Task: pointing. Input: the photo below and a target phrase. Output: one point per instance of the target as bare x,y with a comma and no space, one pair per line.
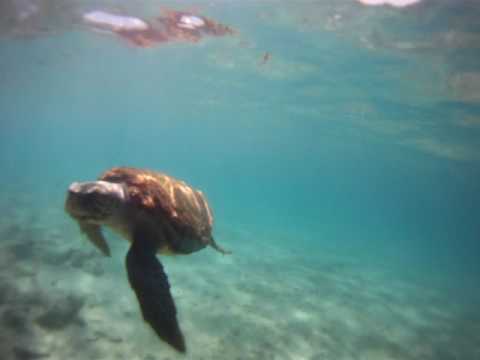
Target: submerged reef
62,313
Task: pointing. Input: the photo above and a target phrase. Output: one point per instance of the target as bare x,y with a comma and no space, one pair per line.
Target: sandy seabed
61,299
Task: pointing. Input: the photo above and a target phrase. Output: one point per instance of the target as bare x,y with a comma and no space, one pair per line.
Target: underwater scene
260,179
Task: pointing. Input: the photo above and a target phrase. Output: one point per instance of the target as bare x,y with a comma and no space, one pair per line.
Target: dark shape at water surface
157,214
61,314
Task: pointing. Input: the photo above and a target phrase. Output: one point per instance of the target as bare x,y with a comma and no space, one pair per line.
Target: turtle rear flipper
94,234
150,283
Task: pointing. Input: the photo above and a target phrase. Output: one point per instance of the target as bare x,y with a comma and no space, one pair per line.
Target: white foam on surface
191,22
395,3
114,22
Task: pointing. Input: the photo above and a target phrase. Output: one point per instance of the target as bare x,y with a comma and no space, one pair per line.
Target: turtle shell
167,199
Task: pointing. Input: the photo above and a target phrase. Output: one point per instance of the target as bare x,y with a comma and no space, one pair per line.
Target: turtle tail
217,247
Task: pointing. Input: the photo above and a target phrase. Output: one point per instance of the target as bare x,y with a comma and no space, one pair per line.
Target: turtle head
95,202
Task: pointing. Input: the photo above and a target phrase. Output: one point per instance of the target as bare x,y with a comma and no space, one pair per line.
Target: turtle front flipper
94,234
150,283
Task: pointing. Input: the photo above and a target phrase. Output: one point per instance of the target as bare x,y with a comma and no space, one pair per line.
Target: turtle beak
88,187
75,188
72,201
78,203
93,200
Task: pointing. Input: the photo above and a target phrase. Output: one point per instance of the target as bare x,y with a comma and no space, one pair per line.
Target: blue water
358,140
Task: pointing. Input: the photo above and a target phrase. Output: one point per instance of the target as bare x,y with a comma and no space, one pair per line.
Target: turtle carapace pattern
158,214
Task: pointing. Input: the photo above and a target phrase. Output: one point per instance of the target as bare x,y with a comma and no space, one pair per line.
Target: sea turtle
157,214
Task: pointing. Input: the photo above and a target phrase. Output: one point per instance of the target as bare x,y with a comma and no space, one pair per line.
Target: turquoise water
343,173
